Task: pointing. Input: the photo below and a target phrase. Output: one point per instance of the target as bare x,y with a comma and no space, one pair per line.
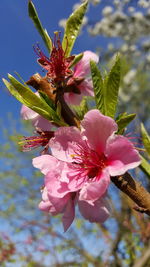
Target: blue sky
18,36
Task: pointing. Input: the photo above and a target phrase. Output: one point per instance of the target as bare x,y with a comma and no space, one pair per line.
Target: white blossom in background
95,2
124,97
138,16
75,6
131,9
62,23
110,47
144,3
148,58
129,77
146,45
124,48
116,2
107,11
133,48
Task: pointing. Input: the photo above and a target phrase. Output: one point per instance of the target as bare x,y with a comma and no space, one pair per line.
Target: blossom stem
67,114
135,191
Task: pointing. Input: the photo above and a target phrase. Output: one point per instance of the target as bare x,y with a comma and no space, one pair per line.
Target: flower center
88,161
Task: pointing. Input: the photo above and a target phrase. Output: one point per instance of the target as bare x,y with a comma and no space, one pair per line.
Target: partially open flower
58,64
75,82
81,79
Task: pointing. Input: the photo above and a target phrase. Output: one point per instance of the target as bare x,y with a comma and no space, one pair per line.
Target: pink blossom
43,129
77,81
81,79
79,169
36,119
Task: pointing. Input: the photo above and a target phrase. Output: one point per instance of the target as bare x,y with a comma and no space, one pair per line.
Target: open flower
79,169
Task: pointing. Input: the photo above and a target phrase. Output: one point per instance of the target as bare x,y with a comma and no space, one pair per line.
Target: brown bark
135,191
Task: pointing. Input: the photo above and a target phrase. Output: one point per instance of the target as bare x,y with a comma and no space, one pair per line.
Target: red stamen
32,142
57,65
89,162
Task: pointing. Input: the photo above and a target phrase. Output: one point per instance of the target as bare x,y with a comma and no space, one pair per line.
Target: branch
135,191
141,262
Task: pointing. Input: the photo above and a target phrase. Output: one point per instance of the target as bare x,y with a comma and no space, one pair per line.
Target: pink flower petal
86,88
98,212
55,187
37,120
51,204
92,191
59,203
45,204
97,129
45,163
27,113
47,207
42,123
64,143
69,214
72,98
82,68
121,155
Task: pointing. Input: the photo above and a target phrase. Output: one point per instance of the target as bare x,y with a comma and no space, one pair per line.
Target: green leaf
73,25
47,99
98,86
76,59
123,121
145,166
145,139
25,95
43,32
106,90
82,109
111,88
13,91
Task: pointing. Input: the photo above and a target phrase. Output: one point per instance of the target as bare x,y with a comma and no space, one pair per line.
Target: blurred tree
124,26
